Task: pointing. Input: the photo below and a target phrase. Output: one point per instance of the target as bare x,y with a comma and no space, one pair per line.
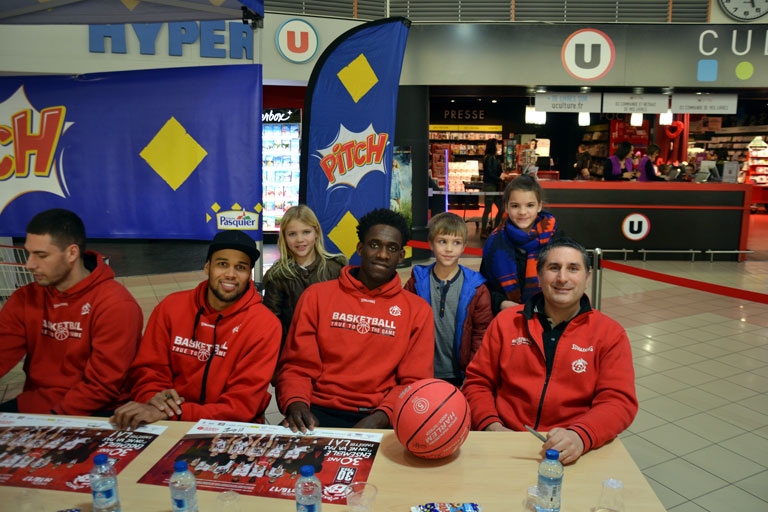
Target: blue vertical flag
349,125
166,153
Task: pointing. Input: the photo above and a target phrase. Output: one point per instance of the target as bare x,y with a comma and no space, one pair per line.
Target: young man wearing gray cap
208,352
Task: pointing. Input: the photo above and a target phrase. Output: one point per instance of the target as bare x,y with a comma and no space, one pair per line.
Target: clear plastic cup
228,501
360,496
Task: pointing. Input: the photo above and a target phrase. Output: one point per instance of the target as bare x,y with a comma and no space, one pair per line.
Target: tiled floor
701,362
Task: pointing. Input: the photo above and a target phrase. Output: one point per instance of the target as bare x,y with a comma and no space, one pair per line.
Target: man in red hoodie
357,341
77,326
554,363
208,352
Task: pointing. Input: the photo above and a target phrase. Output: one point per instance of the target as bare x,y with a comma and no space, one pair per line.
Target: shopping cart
13,274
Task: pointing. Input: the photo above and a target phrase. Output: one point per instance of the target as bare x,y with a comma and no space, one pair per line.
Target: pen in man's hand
540,436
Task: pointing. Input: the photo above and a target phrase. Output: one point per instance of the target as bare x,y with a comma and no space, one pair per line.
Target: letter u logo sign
635,226
581,56
588,54
296,40
300,46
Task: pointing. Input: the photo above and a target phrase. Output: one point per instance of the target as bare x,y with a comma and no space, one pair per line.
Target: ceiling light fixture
665,118
638,90
636,119
530,114
584,89
541,89
584,119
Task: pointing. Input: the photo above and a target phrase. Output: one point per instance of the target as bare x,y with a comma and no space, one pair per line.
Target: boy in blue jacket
461,304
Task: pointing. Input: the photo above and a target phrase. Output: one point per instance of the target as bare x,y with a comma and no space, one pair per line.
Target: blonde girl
303,261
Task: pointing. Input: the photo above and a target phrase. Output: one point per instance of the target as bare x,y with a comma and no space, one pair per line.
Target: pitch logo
353,155
28,142
588,54
296,41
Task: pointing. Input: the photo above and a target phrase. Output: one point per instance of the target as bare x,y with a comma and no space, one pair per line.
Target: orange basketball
431,418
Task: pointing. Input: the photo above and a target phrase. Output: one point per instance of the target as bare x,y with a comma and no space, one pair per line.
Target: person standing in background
619,166
491,183
509,255
461,303
78,328
303,261
583,163
645,169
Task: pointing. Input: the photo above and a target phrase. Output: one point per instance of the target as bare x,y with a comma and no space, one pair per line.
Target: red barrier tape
687,283
469,251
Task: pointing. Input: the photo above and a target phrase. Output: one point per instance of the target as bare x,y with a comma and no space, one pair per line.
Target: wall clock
744,10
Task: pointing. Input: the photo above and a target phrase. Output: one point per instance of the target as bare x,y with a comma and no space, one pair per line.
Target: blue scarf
501,247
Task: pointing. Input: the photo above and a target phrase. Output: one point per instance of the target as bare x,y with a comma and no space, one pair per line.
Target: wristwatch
744,10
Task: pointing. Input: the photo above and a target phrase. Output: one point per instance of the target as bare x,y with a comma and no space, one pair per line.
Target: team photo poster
264,460
56,453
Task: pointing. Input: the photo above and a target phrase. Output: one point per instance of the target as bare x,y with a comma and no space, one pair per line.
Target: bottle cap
100,459
180,465
307,470
553,454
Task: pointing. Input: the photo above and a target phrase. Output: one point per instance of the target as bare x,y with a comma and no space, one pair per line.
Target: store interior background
133,257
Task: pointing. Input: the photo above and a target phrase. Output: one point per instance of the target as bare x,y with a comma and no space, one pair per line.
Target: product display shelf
622,131
596,139
464,150
735,140
757,170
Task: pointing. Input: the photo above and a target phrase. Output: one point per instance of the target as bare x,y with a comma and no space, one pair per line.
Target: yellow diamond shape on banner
358,77
173,154
130,4
344,235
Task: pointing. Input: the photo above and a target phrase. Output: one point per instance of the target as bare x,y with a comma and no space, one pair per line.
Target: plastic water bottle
550,483
309,491
183,488
104,485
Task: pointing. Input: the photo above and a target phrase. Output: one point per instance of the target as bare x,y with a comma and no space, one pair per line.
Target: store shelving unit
464,146
757,170
735,140
596,139
621,131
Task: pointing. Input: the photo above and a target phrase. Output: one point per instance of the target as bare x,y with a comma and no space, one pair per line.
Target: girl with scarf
509,255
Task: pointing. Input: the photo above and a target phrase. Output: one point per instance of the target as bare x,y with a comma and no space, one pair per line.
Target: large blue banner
168,153
349,126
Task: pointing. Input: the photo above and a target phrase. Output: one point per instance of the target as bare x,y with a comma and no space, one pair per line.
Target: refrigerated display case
281,142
